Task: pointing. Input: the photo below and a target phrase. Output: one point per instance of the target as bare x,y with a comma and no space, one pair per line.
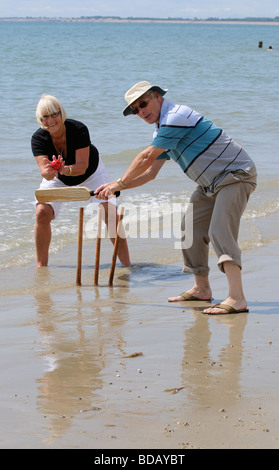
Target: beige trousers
216,218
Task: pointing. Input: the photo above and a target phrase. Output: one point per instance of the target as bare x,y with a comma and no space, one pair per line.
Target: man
225,175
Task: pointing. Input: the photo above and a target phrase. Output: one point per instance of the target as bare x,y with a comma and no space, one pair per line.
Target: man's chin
149,119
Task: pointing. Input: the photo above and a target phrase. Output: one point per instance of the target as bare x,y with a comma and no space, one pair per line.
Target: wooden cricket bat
75,193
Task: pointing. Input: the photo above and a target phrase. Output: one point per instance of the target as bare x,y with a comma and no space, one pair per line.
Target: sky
141,8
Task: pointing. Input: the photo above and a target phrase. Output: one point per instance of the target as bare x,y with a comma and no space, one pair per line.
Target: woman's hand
51,172
55,166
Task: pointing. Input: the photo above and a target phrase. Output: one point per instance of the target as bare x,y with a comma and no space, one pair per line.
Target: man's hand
107,190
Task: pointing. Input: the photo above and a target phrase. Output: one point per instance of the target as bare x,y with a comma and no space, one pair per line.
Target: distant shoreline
245,21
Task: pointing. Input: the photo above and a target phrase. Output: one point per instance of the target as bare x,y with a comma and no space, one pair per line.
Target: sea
217,69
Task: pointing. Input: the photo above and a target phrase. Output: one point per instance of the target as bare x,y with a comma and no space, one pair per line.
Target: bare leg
201,290
236,298
44,216
111,219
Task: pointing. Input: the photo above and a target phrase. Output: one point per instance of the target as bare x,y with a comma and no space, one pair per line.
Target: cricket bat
75,193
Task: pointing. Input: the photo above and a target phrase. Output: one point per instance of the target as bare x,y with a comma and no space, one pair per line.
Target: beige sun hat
137,91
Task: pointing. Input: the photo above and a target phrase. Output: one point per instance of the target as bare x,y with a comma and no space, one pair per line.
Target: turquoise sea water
216,69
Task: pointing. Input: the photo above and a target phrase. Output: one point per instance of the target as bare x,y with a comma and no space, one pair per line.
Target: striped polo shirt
204,151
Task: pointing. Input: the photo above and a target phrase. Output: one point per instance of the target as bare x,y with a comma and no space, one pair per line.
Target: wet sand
121,368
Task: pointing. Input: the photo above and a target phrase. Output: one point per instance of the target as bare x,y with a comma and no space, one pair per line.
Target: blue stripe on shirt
186,144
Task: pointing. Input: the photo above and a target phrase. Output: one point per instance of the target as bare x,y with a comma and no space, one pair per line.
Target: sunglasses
142,105
52,116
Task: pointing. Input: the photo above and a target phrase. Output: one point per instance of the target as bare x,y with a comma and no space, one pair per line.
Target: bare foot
126,265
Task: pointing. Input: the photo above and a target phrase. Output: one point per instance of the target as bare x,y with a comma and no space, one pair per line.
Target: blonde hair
47,105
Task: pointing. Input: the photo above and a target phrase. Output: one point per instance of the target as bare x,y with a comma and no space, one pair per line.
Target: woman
68,141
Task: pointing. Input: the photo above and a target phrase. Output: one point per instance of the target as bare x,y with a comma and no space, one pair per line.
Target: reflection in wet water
74,334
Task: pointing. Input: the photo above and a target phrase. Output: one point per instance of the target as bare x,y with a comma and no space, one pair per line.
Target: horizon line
248,18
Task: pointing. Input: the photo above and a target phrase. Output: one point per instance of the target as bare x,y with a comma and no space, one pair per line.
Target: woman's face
52,122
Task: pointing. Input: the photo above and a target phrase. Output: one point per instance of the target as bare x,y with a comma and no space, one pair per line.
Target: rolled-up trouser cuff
198,271
225,258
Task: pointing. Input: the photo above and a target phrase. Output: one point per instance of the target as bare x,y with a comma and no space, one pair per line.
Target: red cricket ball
55,164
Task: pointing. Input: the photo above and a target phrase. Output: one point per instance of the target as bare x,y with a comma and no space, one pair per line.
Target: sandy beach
120,367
